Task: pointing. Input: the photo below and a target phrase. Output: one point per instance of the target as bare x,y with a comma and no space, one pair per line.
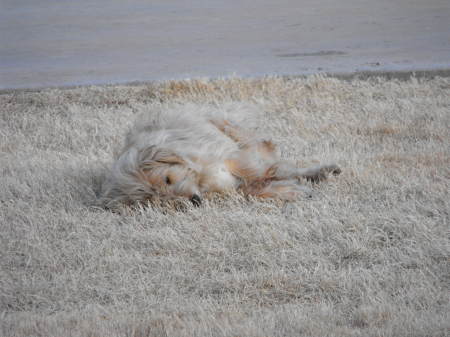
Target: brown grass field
368,255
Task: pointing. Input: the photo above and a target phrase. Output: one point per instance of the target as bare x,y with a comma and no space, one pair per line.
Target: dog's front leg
288,190
286,170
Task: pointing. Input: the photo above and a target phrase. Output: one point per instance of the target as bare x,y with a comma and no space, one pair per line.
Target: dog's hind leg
246,140
236,133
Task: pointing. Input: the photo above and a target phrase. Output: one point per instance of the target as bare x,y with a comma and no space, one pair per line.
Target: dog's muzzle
196,200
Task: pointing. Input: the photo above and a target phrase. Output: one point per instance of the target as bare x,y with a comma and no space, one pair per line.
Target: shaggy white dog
173,154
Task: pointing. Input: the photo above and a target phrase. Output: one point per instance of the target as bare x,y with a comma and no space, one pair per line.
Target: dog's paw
333,169
322,172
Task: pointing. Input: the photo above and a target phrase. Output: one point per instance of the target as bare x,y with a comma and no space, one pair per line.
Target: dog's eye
168,180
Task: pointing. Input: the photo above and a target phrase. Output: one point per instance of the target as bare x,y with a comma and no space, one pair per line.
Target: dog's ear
165,156
153,157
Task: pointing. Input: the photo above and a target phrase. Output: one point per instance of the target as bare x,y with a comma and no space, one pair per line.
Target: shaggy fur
182,155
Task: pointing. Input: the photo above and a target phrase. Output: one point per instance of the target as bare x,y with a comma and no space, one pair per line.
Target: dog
180,155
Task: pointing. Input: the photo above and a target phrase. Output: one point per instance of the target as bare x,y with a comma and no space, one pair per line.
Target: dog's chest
217,177
224,177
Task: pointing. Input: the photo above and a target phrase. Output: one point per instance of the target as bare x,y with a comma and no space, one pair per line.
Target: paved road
66,42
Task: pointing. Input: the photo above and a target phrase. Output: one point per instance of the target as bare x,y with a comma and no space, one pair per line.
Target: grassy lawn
368,255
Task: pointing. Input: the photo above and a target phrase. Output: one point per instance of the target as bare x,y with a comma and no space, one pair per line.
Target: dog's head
143,174
157,173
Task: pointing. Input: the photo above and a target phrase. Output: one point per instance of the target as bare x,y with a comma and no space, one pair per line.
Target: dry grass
367,256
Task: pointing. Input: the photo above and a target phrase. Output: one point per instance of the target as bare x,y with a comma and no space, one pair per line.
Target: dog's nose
196,200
